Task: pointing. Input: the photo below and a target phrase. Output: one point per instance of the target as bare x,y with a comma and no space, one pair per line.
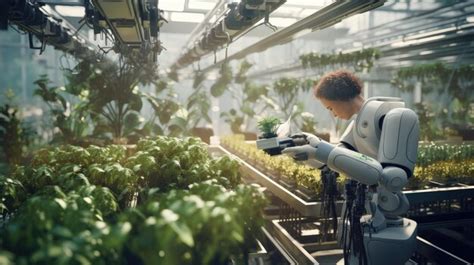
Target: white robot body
380,147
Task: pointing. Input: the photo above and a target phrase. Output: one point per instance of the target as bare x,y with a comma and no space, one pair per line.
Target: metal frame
434,253
307,209
323,18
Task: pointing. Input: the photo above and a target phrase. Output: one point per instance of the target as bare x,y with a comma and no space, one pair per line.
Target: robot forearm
353,164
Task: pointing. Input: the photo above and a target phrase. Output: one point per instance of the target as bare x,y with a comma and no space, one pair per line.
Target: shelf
307,209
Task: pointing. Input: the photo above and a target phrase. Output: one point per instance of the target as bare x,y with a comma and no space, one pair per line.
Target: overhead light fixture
71,11
186,17
202,5
282,22
171,5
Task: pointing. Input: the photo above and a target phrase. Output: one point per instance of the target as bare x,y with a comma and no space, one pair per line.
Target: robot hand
312,139
304,152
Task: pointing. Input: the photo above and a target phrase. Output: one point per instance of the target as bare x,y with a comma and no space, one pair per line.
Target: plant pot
203,133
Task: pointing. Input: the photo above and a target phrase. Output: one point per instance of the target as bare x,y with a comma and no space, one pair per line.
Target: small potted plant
268,127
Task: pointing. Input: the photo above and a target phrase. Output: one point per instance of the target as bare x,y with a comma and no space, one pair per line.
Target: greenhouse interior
237,132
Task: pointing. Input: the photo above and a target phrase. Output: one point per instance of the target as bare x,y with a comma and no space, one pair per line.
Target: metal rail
323,18
434,253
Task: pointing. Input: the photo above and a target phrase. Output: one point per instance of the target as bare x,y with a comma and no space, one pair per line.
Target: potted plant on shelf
198,107
268,127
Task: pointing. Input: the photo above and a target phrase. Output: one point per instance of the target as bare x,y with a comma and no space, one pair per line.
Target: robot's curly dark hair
340,85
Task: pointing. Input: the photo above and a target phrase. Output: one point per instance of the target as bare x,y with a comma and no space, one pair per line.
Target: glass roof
288,13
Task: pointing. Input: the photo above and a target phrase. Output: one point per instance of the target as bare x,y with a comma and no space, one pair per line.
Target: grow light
71,11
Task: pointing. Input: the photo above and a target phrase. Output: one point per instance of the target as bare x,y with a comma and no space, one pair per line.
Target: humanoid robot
377,152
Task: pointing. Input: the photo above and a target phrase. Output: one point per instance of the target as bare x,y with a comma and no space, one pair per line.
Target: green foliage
234,120
65,207
12,194
244,67
222,83
167,163
455,82
429,129
72,167
110,94
308,123
358,60
14,137
207,224
286,92
54,227
254,92
70,118
198,106
432,153
268,126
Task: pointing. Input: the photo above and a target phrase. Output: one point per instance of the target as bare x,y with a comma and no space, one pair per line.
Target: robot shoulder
368,125
399,139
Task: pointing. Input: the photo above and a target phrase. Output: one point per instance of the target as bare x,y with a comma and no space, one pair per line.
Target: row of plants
443,164
443,172
449,117
254,100
282,168
358,60
100,104
431,153
74,205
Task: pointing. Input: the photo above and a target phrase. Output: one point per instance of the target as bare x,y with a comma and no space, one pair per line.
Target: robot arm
396,157
353,164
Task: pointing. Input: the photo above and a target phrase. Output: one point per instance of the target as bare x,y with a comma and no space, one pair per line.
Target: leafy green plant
70,118
250,96
13,135
54,227
286,92
429,128
234,120
66,207
268,126
206,224
72,167
241,75
112,97
358,60
308,123
169,163
12,195
165,106
222,83
440,79
198,106
432,153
